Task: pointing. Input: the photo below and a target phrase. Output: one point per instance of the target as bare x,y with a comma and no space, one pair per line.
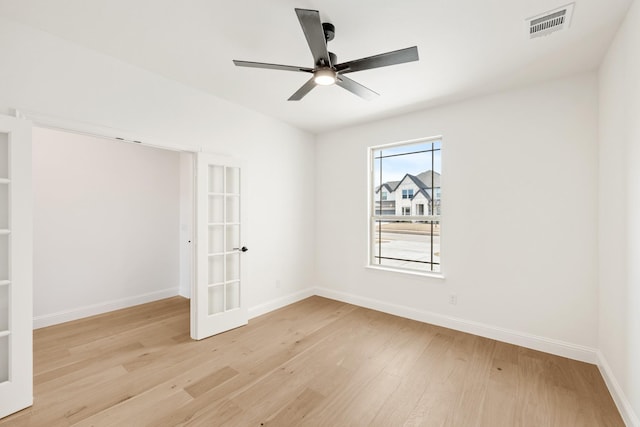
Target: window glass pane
406,175
407,244
407,184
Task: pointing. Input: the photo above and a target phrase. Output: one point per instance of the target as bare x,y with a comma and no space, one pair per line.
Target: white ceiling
466,47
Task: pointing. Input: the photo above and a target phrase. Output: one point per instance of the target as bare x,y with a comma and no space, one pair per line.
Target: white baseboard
547,345
624,406
103,307
280,302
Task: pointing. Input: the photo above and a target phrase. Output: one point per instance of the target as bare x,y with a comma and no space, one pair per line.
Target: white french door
16,323
218,303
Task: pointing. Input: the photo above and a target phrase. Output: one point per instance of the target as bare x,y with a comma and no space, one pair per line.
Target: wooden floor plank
316,362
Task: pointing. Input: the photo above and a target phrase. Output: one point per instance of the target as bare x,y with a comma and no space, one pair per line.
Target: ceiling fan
326,71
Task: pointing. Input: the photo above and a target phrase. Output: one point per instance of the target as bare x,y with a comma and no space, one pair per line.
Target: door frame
105,132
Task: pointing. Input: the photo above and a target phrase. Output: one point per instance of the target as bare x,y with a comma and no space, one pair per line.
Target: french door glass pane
233,295
216,209
4,155
4,308
233,209
216,239
233,237
216,269
4,359
4,257
233,266
216,299
4,204
216,179
233,180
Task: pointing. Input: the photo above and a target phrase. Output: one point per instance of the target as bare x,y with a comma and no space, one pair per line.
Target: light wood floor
316,362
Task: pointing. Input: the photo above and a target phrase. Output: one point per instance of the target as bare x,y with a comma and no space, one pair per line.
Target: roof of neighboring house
422,181
390,186
424,193
415,180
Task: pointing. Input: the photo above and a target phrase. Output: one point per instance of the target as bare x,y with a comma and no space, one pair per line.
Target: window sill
409,272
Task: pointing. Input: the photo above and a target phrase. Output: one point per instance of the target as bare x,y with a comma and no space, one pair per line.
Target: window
403,238
384,195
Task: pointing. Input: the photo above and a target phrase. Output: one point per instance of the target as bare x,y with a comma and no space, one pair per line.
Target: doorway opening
113,224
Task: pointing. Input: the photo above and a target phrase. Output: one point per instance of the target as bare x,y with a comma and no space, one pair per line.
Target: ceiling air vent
549,22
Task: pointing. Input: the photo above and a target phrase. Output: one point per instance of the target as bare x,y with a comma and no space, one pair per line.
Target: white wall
520,216
619,235
51,76
106,223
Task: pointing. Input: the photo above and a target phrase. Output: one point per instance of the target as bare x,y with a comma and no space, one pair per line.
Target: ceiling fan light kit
326,71
324,76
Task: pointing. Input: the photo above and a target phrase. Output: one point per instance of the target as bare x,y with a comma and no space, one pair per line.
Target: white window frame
372,217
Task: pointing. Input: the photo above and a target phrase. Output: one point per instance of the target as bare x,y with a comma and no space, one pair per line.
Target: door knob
243,249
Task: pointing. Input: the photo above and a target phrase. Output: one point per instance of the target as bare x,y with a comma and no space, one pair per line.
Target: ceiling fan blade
356,88
271,66
305,89
312,28
383,60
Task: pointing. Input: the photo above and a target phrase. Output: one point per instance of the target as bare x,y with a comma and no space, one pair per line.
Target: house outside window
404,227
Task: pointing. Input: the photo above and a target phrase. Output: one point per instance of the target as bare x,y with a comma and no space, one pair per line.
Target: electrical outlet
453,299
277,284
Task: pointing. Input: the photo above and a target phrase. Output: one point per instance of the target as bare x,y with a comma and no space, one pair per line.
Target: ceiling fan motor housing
329,31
